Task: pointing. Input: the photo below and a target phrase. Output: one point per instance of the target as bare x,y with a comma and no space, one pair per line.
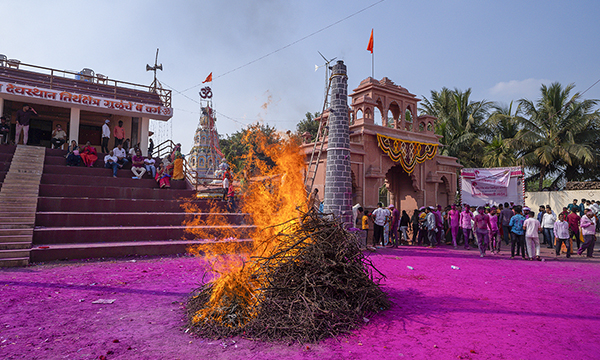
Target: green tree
503,124
249,141
556,132
308,124
461,123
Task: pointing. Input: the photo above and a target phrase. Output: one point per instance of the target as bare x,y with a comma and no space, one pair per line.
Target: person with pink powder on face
495,239
465,223
482,224
454,223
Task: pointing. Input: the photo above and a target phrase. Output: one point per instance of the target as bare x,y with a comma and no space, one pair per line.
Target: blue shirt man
516,224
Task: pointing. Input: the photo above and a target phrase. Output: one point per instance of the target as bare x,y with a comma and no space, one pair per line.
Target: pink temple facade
393,147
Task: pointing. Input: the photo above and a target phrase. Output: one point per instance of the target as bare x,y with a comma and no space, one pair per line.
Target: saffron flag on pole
370,46
208,78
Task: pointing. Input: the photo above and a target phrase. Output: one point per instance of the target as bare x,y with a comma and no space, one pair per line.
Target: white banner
495,177
493,186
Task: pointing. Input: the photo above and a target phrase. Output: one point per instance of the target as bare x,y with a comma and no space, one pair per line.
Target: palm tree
498,153
461,123
555,131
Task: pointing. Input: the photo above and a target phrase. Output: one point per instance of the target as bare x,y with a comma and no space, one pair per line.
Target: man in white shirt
121,155
149,163
532,229
548,220
380,217
110,162
105,136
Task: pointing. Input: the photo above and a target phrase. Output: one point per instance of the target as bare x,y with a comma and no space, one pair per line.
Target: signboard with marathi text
492,186
72,98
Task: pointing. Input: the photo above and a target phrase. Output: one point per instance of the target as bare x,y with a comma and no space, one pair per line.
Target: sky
263,53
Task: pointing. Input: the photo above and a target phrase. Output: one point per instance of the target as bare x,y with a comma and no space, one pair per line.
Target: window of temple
390,120
368,114
408,119
421,127
359,114
377,118
429,126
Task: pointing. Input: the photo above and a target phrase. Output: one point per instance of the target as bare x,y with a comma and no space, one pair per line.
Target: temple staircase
18,201
84,212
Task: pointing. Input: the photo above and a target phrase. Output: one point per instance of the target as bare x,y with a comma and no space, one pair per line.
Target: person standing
394,226
365,226
432,228
573,219
59,137
465,223
23,118
379,217
150,146
517,232
548,220
404,222
532,229
588,230
119,133
561,235
454,220
105,136
503,220
495,240
4,130
482,230
414,221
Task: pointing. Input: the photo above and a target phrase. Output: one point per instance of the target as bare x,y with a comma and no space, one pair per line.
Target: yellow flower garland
408,153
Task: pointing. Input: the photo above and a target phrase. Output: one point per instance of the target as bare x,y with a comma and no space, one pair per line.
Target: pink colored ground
491,308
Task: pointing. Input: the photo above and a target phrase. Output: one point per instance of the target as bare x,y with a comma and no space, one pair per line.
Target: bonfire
305,278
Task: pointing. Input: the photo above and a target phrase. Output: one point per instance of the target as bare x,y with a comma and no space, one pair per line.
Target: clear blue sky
503,50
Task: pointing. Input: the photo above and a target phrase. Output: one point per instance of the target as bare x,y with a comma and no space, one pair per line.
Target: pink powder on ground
491,308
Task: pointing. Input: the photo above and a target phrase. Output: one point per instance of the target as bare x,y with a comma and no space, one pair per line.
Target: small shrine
206,154
393,149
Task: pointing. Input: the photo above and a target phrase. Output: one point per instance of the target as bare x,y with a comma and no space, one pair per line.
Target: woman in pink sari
162,177
89,155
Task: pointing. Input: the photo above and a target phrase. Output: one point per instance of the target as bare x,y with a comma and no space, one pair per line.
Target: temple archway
443,192
403,193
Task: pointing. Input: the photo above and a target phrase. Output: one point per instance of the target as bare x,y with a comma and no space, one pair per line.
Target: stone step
14,253
15,245
17,225
16,262
8,235
51,252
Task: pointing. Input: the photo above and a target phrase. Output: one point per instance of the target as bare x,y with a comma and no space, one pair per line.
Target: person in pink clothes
454,223
482,225
495,239
465,224
588,230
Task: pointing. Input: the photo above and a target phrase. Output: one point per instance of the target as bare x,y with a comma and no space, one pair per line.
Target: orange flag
208,78
370,46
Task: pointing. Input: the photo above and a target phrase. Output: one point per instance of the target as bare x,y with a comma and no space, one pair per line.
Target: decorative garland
408,153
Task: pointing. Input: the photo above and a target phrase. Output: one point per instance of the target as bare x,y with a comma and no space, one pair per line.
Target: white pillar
74,125
2,109
143,135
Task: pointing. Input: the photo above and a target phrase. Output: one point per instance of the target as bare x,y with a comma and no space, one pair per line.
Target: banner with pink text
492,186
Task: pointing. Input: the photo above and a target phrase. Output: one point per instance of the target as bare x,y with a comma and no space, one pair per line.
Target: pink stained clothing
482,222
532,227
588,226
493,225
454,218
465,220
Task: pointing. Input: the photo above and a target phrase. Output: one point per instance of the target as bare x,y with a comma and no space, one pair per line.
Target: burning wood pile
309,282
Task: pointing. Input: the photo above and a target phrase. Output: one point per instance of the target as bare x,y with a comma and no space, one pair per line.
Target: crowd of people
169,168
485,228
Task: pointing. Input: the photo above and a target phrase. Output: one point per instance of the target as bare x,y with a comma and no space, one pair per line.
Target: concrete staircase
18,202
86,213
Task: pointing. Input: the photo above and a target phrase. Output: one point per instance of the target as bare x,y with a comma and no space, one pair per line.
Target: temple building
80,102
393,149
206,155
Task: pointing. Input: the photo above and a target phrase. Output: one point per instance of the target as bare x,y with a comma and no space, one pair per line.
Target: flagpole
373,65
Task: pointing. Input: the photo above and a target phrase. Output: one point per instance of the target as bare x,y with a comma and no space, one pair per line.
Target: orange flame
273,200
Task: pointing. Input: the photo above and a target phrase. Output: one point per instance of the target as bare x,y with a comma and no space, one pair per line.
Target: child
365,226
532,229
561,234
